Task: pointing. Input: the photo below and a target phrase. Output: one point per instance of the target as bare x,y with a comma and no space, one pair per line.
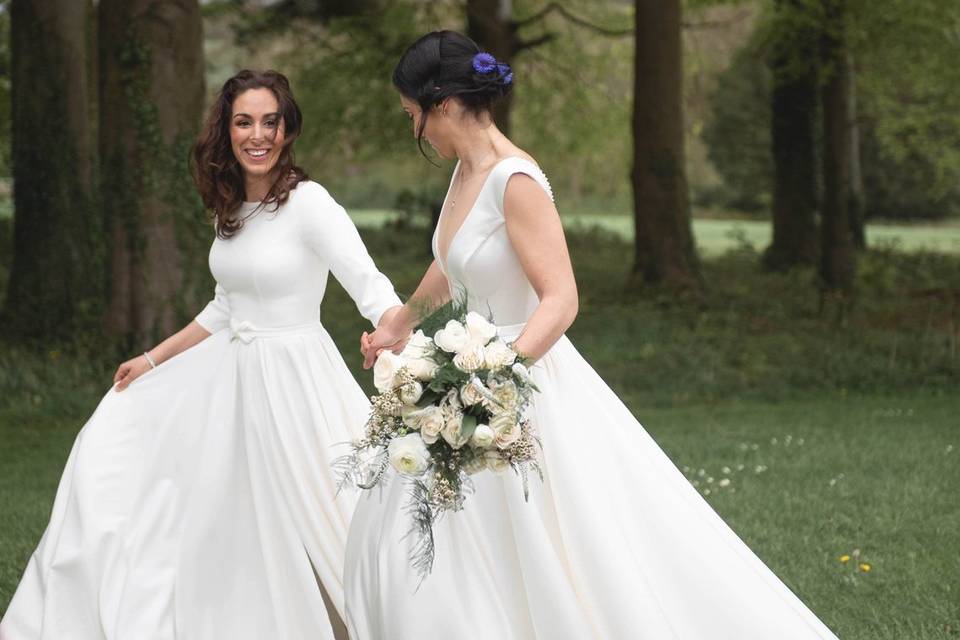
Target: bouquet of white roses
449,406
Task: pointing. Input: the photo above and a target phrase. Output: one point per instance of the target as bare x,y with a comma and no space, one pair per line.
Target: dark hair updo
442,65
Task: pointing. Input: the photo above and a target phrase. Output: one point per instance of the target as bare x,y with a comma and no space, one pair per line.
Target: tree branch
554,7
536,42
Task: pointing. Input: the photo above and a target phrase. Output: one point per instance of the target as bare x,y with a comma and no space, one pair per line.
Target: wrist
150,360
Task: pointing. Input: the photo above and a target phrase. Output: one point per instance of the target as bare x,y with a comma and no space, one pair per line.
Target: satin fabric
199,503
615,544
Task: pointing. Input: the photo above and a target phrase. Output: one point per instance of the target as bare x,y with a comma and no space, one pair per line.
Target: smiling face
256,132
438,130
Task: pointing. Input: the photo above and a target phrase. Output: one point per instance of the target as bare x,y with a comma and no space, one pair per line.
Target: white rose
422,368
496,462
469,360
453,338
385,370
409,454
480,330
483,436
431,423
411,392
498,354
453,430
505,396
470,394
506,428
419,346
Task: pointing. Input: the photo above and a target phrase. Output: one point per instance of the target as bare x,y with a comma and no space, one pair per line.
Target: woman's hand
130,371
392,333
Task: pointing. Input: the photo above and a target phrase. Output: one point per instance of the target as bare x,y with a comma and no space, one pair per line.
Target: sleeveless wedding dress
199,503
615,544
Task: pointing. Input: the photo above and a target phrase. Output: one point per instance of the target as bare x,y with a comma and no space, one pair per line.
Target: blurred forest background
762,200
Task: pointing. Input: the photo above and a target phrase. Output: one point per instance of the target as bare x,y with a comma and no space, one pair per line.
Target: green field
714,237
833,438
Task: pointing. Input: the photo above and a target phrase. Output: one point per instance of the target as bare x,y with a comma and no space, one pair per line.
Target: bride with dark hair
615,543
198,501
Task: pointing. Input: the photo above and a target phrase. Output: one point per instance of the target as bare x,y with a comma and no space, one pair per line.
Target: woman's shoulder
521,162
311,191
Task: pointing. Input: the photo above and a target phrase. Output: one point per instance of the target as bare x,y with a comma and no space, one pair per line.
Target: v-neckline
466,216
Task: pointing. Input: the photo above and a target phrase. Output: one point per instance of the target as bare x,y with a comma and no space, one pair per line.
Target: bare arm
536,234
177,343
432,291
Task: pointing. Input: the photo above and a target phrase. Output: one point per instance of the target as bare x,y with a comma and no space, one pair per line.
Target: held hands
391,334
130,371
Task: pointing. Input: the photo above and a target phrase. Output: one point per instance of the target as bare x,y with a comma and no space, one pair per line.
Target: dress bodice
480,262
273,273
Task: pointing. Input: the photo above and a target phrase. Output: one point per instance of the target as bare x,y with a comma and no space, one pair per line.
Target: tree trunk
665,251
857,196
793,125
490,24
151,96
55,280
838,258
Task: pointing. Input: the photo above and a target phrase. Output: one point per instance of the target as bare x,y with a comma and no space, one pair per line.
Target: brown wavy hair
217,171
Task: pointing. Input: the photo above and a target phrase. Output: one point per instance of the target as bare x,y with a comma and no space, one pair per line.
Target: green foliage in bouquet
449,406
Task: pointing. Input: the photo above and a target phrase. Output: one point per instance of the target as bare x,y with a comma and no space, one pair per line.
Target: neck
477,145
256,188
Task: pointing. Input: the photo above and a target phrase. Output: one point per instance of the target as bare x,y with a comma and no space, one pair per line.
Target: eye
270,123
242,123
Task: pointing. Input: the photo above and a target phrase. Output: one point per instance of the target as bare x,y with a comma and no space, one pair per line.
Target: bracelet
153,365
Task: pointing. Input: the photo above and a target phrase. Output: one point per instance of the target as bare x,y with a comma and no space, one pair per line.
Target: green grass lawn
834,437
715,237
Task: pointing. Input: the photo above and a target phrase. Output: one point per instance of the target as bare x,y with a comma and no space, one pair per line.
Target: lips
256,154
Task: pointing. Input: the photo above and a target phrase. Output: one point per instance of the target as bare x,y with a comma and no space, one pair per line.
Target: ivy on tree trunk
152,95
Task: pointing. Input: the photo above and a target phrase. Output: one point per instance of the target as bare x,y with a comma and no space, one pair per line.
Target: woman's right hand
130,371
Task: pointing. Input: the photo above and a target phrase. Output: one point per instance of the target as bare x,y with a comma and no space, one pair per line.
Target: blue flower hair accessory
484,63
506,74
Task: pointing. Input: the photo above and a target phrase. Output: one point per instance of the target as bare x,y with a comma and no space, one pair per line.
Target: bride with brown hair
198,501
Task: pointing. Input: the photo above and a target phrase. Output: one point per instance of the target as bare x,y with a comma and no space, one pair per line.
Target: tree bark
664,251
490,24
857,195
55,278
793,126
838,258
152,95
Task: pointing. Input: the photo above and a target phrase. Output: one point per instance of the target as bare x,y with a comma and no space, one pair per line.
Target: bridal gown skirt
199,504
615,544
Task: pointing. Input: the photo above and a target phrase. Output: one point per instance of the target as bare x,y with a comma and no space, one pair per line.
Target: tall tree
490,24
54,279
857,197
793,126
838,257
152,95
665,251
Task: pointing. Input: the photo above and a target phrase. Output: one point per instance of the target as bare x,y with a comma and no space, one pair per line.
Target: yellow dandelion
864,567
844,559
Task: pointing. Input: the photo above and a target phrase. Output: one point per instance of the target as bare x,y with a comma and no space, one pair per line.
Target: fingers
369,358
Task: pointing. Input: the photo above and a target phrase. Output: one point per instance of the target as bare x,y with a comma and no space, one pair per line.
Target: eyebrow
266,115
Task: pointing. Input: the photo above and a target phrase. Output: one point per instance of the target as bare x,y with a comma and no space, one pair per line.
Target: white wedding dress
199,503
615,544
